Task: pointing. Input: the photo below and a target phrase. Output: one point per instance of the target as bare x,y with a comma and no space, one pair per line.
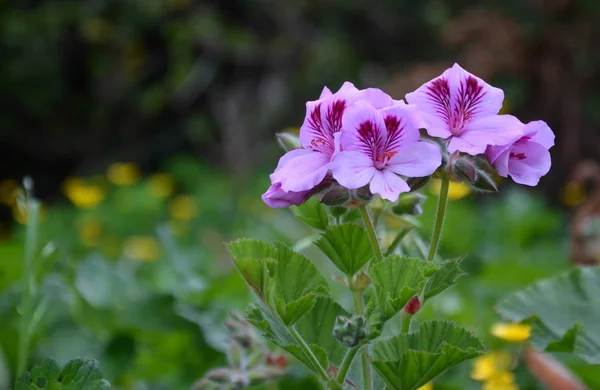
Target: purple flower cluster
361,138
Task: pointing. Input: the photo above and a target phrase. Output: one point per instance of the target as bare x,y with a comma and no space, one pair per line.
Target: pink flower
463,108
276,197
378,145
528,159
302,169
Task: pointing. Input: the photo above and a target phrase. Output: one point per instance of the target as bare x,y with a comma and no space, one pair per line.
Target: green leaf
78,374
396,280
410,360
285,280
312,213
444,278
564,312
347,246
316,327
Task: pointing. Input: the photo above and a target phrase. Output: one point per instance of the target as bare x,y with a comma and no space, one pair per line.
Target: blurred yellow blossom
179,228
144,248
183,208
123,174
503,380
456,191
427,386
573,194
486,366
20,214
511,332
162,185
82,194
8,191
90,232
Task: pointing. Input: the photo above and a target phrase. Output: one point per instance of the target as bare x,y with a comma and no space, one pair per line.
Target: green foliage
347,246
77,374
564,312
408,361
444,277
313,213
396,280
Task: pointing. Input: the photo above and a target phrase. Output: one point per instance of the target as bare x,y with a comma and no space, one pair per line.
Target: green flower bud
288,141
409,204
475,171
416,183
264,374
336,196
350,331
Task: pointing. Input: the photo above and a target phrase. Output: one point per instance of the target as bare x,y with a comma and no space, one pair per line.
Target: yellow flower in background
183,208
123,174
144,248
511,332
8,191
90,232
82,194
162,185
573,194
428,386
503,380
457,190
486,366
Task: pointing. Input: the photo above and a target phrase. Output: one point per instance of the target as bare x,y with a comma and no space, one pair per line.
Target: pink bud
413,306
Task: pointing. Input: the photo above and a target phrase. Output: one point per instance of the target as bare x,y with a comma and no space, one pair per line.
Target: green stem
371,231
439,218
406,319
27,299
309,354
359,308
346,363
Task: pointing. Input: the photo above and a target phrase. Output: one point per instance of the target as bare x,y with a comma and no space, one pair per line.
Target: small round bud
350,331
336,196
413,306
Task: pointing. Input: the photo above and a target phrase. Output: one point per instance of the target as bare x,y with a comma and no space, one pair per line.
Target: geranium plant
356,146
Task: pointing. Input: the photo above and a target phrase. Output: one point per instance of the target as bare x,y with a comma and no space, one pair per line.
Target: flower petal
401,122
388,185
364,130
473,96
376,97
490,130
325,93
528,162
301,170
416,160
275,197
539,132
352,169
498,157
434,102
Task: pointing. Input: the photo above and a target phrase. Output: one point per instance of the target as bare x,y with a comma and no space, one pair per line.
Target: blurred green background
147,127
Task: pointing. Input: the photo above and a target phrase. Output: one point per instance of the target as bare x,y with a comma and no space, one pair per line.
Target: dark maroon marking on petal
439,92
395,130
372,142
518,156
314,120
321,140
470,95
335,111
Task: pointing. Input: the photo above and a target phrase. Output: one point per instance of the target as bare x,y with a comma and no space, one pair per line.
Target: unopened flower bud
335,196
288,141
350,331
413,306
464,169
279,361
409,204
241,331
235,354
361,282
219,375
475,171
416,183
264,374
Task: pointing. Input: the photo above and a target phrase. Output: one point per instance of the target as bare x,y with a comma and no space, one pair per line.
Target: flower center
382,160
321,145
458,120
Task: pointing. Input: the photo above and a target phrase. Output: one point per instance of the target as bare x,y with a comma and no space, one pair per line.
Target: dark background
85,83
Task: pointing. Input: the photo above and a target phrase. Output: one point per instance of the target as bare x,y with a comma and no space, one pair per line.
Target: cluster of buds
250,362
350,331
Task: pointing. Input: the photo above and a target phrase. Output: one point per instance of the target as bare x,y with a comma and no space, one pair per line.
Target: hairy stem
359,308
309,354
371,231
439,218
28,285
346,363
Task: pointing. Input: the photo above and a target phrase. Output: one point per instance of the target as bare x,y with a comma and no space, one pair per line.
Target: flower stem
371,231
27,299
309,354
439,218
346,363
359,308
406,319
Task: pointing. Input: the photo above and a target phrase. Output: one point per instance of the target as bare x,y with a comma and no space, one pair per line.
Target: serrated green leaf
312,213
347,246
285,280
396,280
564,312
444,278
316,327
78,374
410,360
